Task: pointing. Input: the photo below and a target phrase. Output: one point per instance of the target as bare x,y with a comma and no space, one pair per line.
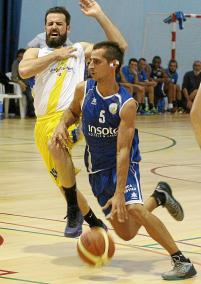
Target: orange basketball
95,246
1,240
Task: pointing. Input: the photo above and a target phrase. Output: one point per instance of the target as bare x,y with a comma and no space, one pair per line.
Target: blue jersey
172,75
142,76
100,122
129,76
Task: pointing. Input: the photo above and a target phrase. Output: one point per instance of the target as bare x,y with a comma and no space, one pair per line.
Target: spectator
172,88
26,90
160,77
143,75
129,78
191,84
39,41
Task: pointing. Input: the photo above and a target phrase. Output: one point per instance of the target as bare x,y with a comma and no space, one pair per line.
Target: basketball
95,247
1,240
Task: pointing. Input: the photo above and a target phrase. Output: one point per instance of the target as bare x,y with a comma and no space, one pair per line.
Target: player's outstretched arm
195,116
92,8
31,64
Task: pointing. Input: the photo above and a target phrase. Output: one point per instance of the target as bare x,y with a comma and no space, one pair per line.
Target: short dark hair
141,59
112,51
157,57
59,10
173,61
132,59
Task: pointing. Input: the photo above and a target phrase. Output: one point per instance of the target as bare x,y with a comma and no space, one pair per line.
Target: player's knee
54,151
126,236
138,212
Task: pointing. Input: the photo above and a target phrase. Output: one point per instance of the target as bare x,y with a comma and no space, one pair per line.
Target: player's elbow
124,46
23,71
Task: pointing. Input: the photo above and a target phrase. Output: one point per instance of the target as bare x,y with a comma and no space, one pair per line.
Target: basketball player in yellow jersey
195,115
57,70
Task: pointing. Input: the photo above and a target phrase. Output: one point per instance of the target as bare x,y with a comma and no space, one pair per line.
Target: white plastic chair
17,94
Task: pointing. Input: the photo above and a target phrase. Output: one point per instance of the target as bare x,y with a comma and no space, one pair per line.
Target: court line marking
154,171
143,246
55,220
174,142
23,280
152,250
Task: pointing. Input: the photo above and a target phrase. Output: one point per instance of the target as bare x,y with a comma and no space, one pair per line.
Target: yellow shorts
44,129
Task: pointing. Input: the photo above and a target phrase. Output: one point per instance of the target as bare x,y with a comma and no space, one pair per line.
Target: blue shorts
103,185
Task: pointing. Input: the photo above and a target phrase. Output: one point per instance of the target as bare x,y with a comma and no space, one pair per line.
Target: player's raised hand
90,7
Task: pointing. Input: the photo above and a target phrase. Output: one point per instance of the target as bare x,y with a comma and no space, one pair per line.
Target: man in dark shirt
191,83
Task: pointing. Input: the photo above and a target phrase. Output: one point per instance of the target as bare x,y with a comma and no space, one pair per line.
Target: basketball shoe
163,195
74,222
181,270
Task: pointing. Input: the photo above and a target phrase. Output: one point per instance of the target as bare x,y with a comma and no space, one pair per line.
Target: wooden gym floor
32,209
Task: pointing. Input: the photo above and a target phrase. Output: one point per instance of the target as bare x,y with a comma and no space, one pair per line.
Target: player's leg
163,196
75,199
43,133
183,268
104,185
150,93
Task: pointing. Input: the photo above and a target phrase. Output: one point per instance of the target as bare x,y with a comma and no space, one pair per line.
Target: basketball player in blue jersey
112,154
195,116
57,69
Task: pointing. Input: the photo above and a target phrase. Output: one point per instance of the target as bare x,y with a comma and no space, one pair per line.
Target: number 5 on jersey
102,116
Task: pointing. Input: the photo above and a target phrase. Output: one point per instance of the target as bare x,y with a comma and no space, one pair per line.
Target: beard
56,41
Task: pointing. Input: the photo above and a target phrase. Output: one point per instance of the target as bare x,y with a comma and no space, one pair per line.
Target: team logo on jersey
102,131
60,67
113,108
93,102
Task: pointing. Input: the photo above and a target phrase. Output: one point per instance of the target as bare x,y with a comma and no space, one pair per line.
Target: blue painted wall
139,20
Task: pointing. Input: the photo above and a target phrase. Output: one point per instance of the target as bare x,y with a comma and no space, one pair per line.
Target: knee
126,236
139,212
54,151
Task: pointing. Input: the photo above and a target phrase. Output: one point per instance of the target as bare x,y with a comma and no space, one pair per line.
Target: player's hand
65,52
61,136
118,207
90,7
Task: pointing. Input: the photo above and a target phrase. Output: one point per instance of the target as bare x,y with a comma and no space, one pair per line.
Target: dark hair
173,61
59,10
196,62
156,58
132,59
21,50
141,59
112,51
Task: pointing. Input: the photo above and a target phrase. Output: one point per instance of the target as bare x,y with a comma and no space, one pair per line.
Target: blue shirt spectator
130,71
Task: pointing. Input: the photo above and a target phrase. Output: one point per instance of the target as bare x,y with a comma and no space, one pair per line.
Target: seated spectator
39,41
160,77
191,83
26,90
129,78
172,88
143,80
